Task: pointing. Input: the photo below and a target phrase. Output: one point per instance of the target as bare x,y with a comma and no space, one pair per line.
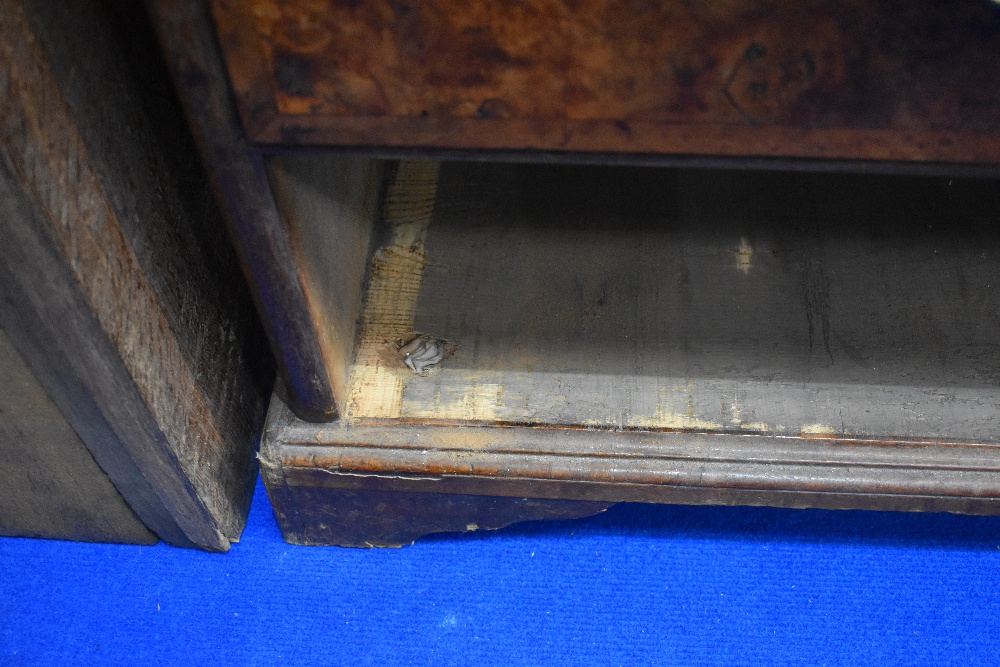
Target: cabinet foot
372,518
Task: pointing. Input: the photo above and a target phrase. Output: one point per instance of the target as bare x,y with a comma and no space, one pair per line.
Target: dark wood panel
50,485
130,299
372,518
54,330
820,79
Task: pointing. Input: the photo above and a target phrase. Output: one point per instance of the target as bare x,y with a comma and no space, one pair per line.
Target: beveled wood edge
38,340
76,267
678,161
642,466
632,137
330,257
239,179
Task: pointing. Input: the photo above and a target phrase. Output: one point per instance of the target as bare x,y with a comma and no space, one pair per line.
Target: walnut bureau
525,260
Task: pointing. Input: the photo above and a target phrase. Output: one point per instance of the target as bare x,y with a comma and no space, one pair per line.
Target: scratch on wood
817,429
339,473
744,255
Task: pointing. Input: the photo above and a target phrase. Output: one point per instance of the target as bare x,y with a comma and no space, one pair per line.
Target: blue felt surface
637,585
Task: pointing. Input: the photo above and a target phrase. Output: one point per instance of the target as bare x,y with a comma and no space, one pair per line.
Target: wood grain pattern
159,333
240,180
50,485
330,205
649,298
397,269
819,79
311,468
46,316
660,335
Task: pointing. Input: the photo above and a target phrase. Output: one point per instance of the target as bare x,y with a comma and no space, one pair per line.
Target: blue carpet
637,585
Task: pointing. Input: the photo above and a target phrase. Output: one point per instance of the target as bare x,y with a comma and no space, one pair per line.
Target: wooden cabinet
525,262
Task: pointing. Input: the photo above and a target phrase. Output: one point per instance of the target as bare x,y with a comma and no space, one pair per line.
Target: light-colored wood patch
377,378
479,397
817,429
744,256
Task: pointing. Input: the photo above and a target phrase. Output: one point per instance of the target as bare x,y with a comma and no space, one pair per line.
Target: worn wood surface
904,88
816,79
372,518
50,485
652,298
118,261
311,468
46,317
660,335
240,180
347,511
330,206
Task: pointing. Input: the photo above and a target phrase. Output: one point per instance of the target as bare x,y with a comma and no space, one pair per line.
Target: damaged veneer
456,333
659,335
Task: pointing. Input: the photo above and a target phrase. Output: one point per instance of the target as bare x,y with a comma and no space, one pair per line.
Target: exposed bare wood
330,204
762,302
665,335
662,335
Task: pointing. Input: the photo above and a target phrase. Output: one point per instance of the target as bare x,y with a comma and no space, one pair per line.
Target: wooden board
900,88
817,79
50,485
241,183
658,335
365,518
330,205
46,318
756,302
360,485
694,344
120,287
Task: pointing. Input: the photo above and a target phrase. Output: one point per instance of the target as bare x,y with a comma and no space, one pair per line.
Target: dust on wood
687,300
